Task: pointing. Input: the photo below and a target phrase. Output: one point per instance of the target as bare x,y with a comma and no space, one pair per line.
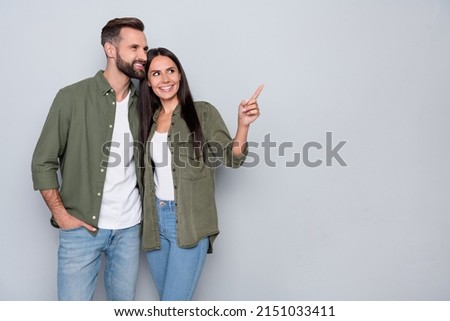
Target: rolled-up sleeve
219,138
51,145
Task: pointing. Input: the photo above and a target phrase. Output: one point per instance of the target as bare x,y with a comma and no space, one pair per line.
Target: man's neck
119,82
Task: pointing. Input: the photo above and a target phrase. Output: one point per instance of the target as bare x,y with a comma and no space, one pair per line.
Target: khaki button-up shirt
75,140
193,179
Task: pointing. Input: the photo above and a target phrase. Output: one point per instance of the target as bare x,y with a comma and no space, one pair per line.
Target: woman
184,142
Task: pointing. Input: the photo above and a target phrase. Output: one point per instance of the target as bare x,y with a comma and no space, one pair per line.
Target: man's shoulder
81,85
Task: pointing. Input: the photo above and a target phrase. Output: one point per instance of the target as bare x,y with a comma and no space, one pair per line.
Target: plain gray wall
375,74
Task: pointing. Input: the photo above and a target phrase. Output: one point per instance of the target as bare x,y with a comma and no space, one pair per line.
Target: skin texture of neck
118,81
169,106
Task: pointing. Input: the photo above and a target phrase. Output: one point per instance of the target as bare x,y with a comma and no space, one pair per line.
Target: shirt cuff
237,161
45,180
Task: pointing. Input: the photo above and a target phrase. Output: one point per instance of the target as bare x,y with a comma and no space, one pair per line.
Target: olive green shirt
193,179
75,141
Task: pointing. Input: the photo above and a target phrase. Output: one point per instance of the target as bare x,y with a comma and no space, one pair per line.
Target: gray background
374,73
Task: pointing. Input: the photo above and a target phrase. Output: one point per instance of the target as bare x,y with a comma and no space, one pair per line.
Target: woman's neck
168,107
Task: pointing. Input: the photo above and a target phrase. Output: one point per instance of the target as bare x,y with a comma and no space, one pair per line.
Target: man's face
132,53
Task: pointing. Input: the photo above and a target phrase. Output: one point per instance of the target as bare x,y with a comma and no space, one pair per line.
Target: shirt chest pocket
187,164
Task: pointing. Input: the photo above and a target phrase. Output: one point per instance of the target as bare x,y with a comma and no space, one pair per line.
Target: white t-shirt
160,154
121,205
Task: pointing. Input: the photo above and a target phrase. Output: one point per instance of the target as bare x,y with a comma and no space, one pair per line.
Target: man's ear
110,50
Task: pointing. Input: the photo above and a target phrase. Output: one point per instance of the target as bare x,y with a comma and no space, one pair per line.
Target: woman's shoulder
209,115
205,108
202,104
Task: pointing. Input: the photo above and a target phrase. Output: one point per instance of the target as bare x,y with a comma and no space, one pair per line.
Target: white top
121,205
160,154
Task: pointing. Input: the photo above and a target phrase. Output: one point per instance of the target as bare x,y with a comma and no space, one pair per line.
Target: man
88,138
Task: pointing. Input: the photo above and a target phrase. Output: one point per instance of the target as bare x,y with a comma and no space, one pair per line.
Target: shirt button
102,170
110,126
94,217
98,194
107,94
113,102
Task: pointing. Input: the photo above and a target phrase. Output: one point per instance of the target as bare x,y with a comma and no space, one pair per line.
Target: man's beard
128,69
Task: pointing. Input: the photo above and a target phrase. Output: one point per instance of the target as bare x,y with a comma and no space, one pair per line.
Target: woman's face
164,78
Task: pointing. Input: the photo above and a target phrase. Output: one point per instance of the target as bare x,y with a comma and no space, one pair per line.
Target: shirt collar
105,87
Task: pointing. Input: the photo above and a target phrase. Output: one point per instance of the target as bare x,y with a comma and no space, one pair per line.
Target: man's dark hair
111,31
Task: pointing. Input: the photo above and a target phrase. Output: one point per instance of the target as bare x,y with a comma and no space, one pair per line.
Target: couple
114,202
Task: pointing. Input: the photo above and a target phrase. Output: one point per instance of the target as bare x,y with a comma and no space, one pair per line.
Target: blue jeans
175,270
79,258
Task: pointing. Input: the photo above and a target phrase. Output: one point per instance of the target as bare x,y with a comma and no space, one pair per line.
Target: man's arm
61,216
45,162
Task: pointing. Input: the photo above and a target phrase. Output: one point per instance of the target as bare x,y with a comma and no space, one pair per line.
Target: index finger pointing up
257,92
